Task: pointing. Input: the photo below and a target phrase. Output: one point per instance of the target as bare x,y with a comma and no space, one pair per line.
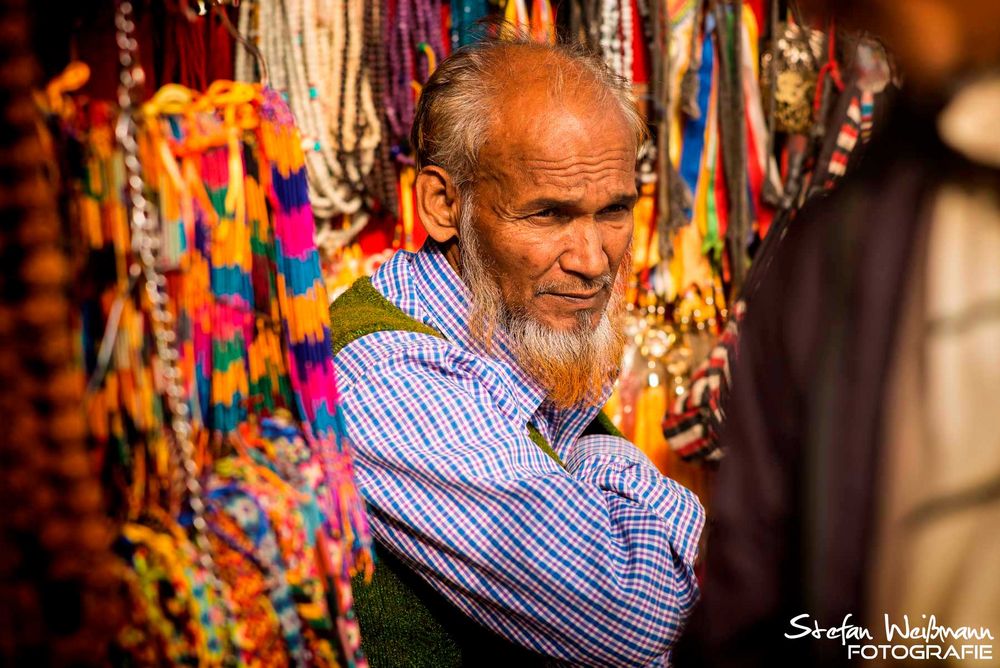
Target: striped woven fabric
847,139
252,313
691,426
303,303
591,563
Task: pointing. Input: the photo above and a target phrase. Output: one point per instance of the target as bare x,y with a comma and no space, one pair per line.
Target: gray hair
457,106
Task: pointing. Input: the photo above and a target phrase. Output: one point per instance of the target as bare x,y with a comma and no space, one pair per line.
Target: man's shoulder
381,337
363,310
398,357
387,381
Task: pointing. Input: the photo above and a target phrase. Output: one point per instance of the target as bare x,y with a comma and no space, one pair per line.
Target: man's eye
615,208
547,213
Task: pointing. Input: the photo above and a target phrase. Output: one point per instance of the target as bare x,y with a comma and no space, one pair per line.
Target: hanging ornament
517,20
794,69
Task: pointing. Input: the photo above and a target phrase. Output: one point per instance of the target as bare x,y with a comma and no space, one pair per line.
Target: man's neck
453,254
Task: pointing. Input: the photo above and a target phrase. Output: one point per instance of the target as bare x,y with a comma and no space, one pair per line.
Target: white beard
574,366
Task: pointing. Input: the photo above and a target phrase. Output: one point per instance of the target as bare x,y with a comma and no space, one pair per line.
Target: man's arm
591,564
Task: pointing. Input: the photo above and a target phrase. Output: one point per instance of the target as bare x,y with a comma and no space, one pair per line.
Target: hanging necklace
610,39
627,35
315,51
416,28
143,228
383,175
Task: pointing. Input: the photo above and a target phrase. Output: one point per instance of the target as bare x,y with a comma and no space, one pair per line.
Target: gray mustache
583,285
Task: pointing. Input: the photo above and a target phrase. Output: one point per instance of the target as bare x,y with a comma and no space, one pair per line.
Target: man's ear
437,203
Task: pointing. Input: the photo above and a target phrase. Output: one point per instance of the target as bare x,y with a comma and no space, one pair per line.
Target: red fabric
419,233
380,232
764,214
722,211
760,11
188,42
95,43
221,48
721,194
445,30
377,235
831,68
640,56
195,52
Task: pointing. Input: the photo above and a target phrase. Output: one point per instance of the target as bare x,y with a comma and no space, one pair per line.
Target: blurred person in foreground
860,494
514,524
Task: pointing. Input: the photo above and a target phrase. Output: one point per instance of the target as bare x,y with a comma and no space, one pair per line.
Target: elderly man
513,522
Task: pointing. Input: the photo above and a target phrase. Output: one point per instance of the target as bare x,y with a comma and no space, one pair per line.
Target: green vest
404,621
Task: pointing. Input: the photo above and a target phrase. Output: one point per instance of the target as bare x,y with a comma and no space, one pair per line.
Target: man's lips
577,298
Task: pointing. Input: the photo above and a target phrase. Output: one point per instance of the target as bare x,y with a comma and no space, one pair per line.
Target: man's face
553,207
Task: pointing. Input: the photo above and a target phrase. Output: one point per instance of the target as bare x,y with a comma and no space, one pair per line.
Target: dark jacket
793,507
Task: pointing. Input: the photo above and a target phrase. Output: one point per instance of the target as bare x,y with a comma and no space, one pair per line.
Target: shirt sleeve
588,564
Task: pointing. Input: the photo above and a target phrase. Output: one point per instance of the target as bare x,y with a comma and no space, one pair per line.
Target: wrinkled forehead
532,93
537,128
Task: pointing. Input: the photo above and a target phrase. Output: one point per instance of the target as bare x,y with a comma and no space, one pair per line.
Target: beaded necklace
315,51
415,28
611,41
627,35
383,183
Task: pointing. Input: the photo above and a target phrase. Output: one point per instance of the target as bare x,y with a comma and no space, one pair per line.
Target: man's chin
574,366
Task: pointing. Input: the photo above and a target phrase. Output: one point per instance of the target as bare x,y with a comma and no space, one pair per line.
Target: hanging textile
195,50
215,375
517,20
821,114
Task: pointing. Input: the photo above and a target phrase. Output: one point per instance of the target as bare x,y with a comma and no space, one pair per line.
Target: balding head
480,90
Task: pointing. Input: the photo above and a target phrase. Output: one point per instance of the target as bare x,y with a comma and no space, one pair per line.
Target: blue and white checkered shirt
588,564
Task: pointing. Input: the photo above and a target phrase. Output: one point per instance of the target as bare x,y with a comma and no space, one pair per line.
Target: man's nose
584,254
